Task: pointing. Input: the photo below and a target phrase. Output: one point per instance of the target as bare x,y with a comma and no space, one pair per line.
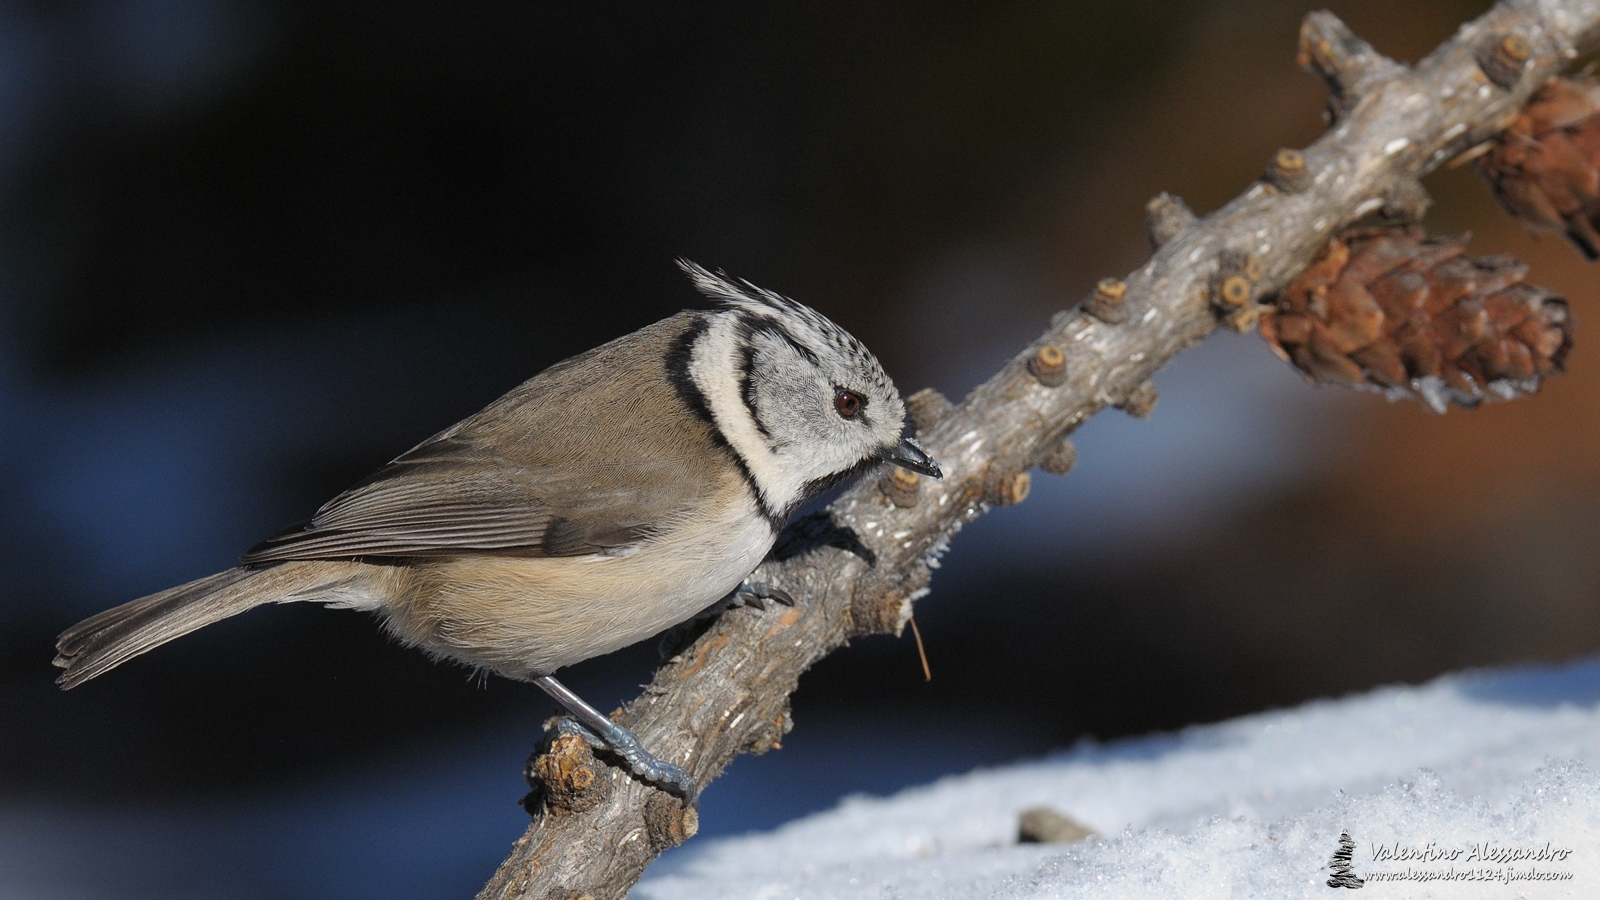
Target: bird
612,496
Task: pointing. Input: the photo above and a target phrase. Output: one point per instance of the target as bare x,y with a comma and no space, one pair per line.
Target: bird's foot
641,762
754,594
757,593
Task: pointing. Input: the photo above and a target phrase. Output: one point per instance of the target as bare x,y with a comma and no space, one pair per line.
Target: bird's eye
848,403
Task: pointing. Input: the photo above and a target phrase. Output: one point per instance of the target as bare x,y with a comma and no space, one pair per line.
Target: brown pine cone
1393,310
1545,168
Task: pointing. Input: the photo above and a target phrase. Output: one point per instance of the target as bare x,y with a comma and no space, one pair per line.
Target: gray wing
517,480
449,499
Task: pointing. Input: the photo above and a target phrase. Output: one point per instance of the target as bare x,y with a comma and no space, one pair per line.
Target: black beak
908,454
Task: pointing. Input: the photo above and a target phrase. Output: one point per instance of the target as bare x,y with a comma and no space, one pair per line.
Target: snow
1434,778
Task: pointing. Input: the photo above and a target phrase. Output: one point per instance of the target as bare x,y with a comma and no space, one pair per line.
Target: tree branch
857,569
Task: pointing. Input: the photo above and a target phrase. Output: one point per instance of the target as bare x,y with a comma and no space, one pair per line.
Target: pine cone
1393,310
1545,168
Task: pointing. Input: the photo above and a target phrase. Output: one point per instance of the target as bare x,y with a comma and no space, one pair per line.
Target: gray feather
519,478
102,643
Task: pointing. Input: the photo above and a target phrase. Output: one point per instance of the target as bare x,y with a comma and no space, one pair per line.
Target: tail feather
101,643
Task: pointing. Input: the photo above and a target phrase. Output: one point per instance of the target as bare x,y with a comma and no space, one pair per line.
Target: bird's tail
103,642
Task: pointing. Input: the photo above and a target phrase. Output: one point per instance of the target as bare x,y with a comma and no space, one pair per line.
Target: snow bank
1483,775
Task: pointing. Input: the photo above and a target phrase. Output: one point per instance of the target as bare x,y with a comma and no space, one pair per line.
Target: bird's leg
600,732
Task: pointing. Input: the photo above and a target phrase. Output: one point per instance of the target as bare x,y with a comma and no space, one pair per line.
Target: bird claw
756,593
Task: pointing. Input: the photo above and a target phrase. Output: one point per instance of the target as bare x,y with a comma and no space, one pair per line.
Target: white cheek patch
713,366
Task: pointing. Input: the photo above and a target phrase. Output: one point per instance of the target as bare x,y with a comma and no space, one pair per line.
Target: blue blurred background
252,249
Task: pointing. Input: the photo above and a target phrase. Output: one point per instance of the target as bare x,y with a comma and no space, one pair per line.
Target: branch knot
1345,62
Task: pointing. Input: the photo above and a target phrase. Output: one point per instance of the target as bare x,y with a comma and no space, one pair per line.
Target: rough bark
856,570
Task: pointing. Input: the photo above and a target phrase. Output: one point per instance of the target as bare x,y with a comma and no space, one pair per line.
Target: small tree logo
1339,863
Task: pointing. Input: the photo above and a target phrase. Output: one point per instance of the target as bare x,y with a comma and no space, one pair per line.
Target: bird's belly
526,617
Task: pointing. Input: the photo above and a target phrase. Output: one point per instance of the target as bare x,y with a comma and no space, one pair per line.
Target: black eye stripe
747,389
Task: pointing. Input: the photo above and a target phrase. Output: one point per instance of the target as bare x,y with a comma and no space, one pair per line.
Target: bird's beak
909,454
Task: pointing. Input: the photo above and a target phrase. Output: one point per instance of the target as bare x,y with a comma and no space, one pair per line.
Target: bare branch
857,570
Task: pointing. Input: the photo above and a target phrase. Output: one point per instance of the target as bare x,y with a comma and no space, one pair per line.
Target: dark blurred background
252,249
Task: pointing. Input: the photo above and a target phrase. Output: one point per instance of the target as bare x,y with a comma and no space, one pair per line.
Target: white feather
714,366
